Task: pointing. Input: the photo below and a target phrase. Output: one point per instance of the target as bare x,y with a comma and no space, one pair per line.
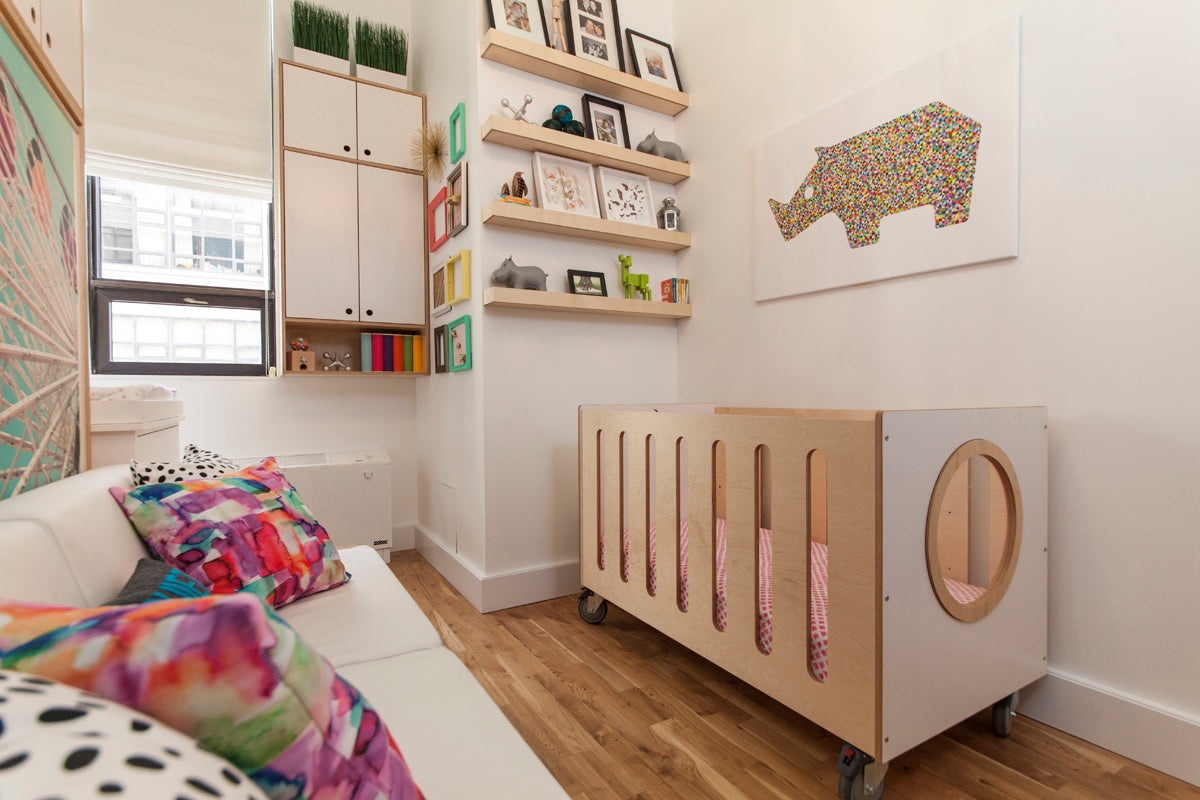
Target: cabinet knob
349,310
370,313
33,13
366,152
346,147
48,43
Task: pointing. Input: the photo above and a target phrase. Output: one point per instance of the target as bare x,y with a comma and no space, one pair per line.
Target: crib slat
667,523
742,549
789,542
611,500
635,445
588,508
700,532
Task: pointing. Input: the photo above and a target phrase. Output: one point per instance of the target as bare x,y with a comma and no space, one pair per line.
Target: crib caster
862,778
1003,713
592,609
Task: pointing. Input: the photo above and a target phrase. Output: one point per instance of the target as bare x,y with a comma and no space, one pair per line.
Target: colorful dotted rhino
926,157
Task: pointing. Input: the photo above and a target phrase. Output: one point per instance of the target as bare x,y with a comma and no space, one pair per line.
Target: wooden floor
618,710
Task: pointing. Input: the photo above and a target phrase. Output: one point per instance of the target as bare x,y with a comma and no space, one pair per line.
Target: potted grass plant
321,36
381,53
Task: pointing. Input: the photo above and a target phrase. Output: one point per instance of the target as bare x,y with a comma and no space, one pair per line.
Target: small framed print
604,121
460,344
438,232
594,33
563,184
580,282
524,18
625,197
653,60
440,306
456,199
441,361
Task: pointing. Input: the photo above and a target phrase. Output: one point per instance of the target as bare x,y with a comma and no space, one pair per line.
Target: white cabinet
391,246
387,122
57,25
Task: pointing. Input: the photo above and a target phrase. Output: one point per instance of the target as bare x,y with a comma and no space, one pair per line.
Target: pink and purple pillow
245,531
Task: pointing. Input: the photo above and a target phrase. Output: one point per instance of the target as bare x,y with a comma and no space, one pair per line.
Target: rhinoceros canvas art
913,174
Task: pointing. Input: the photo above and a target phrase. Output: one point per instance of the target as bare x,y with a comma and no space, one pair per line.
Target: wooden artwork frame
626,197
594,32
438,234
653,60
458,278
459,344
458,133
439,305
456,200
519,19
566,185
600,120
586,283
441,358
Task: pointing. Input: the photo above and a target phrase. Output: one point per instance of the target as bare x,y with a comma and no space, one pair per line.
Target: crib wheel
591,610
856,767
855,789
1003,713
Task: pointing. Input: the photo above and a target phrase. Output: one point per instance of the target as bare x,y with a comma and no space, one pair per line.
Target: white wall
1096,319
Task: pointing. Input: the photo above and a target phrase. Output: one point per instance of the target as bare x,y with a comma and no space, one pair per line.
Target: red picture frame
438,211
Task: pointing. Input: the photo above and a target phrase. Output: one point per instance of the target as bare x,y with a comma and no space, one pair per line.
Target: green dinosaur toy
633,282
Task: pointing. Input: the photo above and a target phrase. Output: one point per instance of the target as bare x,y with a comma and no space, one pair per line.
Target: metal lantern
668,215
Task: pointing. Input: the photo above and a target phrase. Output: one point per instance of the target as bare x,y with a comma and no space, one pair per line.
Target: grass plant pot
381,53
381,76
311,58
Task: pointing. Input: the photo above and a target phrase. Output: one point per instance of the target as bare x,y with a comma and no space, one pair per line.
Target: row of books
393,352
677,290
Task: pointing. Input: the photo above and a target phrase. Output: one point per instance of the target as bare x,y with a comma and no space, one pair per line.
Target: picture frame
566,185
604,121
458,278
653,60
458,133
594,32
523,18
626,197
441,359
439,231
590,283
439,305
456,200
459,344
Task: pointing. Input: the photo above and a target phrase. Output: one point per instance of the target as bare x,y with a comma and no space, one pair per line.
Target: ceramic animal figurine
633,283
561,119
657,147
518,113
516,189
509,274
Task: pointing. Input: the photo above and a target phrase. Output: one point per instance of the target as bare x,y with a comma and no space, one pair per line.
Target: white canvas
978,78
625,197
563,184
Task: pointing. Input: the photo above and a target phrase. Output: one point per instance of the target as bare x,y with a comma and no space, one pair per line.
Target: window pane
163,332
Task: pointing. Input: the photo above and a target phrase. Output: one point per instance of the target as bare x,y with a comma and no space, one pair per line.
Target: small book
364,342
418,353
397,350
389,353
376,353
408,353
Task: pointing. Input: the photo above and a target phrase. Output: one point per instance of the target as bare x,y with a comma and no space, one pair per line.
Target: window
180,280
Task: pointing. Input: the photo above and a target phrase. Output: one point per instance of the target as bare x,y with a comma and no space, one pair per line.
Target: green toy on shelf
633,282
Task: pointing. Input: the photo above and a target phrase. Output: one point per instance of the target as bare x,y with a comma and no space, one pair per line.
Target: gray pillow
155,580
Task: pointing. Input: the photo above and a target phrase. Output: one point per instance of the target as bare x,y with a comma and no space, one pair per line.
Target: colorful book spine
398,352
418,353
667,289
364,342
408,354
376,353
389,352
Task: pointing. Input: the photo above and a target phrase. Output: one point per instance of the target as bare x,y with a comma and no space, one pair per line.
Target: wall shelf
524,136
537,59
529,218
501,297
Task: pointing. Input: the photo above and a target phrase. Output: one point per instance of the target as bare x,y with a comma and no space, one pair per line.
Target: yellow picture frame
458,278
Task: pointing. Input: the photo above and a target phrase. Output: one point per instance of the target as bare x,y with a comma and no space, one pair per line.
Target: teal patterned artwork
40,379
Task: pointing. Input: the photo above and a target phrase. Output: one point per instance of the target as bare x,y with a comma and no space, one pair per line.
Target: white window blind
180,82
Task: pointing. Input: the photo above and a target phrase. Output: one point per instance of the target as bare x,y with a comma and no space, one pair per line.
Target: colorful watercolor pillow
157,580
227,671
245,531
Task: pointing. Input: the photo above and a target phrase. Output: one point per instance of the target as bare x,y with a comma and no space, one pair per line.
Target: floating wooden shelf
353,374
523,136
514,215
500,297
537,59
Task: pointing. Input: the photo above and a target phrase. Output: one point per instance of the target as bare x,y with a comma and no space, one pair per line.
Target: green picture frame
459,344
458,133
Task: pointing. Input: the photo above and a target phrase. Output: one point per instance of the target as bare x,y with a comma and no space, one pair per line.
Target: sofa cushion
367,618
248,530
226,670
156,580
35,565
196,464
58,741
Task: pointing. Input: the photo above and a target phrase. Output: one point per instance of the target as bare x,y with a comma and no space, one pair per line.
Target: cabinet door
320,237
387,121
318,112
31,13
62,39
391,246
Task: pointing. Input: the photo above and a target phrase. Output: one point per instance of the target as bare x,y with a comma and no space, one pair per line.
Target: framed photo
593,31
458,278
563,184
604,121
456,199
441,361
439,305
580,282
653,60
438,232
460,344
625,197
524,18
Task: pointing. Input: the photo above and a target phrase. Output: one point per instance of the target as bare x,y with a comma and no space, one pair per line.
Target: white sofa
69,544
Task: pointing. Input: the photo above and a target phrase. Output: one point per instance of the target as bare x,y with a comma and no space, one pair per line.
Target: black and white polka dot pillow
196,465
57,741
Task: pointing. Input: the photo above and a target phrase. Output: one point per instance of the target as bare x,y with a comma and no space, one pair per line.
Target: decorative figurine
511,275
336,362
669,214
299,343
633,282
518,114
515,190
561,119
560,31
657,147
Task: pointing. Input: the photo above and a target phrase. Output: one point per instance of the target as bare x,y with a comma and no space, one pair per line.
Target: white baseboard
496,592
1155,736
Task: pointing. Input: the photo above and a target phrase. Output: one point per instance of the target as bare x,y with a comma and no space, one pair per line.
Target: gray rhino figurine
509,274
656,147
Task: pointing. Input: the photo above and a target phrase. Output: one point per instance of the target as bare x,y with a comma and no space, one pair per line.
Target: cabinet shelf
500,297
524,136
513,51
541,220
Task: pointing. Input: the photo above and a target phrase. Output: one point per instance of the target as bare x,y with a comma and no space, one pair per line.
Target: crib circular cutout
973,530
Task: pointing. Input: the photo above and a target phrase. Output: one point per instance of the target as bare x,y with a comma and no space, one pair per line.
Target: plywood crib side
672,474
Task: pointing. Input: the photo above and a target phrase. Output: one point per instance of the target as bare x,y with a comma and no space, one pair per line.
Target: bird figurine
516,187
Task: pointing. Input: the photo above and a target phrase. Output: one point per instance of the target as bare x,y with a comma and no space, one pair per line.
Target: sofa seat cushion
367,618
455,739
35,565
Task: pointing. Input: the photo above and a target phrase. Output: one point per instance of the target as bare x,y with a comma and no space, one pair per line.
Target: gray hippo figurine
516,277
924,158
657,147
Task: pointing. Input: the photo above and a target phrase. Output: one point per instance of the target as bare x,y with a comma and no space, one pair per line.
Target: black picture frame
600,132
502,5
441,358
671,80
583,19
578,279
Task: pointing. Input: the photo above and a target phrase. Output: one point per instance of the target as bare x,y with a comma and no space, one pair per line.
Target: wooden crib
708,524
